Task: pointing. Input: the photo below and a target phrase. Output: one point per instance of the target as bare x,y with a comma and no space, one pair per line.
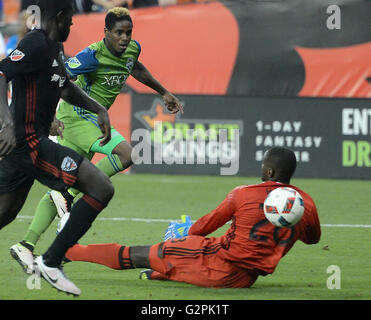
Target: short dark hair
282,160
117,14
50,8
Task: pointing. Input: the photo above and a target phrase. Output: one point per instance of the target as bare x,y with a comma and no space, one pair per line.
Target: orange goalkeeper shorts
195,260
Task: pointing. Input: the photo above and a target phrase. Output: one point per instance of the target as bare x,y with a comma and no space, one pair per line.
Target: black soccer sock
124,258
27,245
82,215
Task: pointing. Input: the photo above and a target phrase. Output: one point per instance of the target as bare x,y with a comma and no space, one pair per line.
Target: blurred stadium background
294,73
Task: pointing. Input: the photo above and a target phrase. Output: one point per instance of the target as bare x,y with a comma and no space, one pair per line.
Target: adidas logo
55,63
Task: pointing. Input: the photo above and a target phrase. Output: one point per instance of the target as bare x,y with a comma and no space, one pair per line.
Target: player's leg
98,191
195,260
179,259
14,188
59,168
45,213
10,205
106,254
22,251
124,151
44,216
46,210
192,259
118,156
111,256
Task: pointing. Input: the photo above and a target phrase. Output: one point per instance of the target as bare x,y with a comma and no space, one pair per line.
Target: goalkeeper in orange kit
251,247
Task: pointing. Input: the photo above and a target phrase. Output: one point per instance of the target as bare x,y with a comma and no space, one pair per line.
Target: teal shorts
88,147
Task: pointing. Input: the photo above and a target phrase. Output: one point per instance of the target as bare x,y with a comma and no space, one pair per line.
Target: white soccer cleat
23,256
56,277
60,203
62,222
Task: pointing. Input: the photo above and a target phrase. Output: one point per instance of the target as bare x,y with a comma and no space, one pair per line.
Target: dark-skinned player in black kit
39,80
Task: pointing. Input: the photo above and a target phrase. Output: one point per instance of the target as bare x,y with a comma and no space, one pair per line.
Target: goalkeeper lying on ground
251,246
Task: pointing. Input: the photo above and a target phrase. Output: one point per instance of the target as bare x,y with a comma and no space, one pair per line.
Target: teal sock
110,165
44,216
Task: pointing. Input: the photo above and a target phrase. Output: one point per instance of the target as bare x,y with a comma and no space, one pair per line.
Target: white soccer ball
284,207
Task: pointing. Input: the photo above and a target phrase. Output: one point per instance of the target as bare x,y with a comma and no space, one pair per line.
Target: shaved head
279,164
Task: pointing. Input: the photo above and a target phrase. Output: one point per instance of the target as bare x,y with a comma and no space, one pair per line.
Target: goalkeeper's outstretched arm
215,219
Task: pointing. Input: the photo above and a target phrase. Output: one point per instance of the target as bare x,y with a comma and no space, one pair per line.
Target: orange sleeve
310,226
216,218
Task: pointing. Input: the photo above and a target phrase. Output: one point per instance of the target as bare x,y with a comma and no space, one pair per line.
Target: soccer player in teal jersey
101,71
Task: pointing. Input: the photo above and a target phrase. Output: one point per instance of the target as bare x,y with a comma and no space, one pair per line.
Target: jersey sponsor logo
116,80
74,63
61,81
68,164
56,78
17,55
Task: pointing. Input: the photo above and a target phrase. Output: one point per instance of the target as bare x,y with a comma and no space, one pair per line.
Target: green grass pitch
343,206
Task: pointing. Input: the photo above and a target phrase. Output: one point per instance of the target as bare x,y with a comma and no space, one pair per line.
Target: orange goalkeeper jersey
252,242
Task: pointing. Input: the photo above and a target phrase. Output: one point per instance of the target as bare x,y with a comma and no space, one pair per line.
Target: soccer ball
284,207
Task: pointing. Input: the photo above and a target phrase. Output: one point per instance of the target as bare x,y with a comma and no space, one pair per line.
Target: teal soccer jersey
101,75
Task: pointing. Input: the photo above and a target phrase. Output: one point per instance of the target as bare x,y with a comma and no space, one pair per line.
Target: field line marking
347,225
149,220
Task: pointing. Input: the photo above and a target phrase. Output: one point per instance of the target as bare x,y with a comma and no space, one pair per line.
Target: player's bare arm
78,97
141,74
7,133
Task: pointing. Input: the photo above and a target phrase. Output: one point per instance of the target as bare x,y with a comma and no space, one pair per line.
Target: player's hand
7,140
105,127
56,128
177,230
172,103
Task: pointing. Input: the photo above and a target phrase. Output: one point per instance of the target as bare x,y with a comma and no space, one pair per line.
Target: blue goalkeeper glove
177,230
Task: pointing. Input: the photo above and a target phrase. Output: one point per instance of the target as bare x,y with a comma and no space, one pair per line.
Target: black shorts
51,164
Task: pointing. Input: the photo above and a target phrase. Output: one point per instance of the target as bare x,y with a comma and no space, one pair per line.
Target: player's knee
9,208
110,191
102,189
126,161
106,191
125,154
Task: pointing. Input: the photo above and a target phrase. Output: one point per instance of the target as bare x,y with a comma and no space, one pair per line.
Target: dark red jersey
252,242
